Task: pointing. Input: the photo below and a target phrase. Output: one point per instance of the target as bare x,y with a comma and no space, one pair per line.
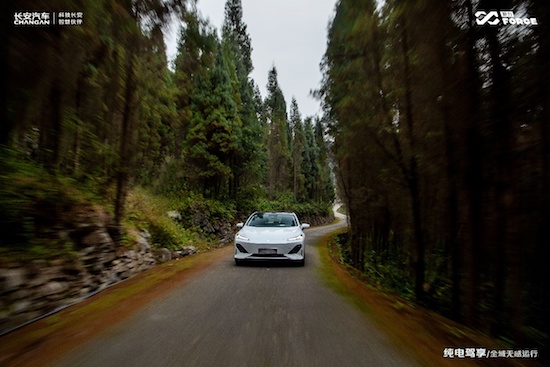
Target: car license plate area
267,251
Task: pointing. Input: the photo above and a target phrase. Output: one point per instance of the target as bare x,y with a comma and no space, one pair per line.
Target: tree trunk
126,142
413,180
473,177
507,247
7,9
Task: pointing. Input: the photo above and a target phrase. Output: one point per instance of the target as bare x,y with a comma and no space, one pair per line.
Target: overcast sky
290,34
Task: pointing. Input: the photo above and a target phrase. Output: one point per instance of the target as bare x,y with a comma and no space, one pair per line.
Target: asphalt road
261,315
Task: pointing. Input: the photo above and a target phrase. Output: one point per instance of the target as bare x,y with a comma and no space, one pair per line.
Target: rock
143,244
21,306
31,289
145,234
12,278
188,250
163,255
52,288
97,237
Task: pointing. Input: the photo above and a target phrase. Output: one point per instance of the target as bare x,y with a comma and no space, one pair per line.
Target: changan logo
507,17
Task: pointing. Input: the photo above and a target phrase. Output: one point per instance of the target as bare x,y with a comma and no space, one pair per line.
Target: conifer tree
214,129
279,155
247,161
325,191
298,151
310,166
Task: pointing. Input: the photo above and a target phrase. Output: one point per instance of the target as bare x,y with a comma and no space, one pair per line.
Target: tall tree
279,155
153,16
214,129
310,165
234,30
247,161
325,191
298,150
434,136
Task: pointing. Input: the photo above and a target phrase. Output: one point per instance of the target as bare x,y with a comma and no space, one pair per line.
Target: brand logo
505,17
41,18
34,18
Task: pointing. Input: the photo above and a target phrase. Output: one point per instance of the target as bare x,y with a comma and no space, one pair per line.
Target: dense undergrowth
35,205
393,274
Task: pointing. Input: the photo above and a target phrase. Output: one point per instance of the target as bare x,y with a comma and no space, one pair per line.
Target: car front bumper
292,251
278,257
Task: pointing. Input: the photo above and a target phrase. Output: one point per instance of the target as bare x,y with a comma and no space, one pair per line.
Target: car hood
270,234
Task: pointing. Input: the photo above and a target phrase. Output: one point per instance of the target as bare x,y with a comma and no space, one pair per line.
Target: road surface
245,316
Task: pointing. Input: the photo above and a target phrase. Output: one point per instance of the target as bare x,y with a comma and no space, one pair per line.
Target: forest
435,133
98,107
441,143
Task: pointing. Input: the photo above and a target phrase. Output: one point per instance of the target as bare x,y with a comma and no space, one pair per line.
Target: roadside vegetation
418,331
182,149
440,140
37,205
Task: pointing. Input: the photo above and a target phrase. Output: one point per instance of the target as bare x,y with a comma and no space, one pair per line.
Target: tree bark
126,142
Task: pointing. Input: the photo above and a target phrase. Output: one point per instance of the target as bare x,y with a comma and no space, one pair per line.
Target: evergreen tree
234,30
214,129
434,144
247,162
298,151
279,155
310,166
195,56
325,192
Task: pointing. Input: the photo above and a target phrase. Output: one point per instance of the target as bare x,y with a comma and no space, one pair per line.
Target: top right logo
505,17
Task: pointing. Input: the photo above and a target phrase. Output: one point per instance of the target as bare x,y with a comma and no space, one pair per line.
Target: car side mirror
305,225
240,225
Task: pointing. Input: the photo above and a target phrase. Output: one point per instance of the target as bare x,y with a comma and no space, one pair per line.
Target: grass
148,211
37,210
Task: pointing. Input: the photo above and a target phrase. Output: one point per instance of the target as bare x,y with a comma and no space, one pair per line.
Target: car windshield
272,220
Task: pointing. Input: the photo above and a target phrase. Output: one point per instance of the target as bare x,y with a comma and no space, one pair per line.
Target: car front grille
296,249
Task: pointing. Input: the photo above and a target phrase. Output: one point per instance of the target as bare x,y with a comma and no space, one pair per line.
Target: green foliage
248,161
149,211
33,203
215,129
234,30
438,156
310,212
172,178
195,206
202,219
390,274
278,137
103,109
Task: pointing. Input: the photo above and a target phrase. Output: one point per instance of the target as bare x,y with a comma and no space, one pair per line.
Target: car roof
273,212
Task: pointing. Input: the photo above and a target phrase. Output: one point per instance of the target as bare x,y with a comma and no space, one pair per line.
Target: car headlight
241,237
297,238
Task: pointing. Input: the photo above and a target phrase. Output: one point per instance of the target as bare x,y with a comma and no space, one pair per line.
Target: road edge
401,319
39,344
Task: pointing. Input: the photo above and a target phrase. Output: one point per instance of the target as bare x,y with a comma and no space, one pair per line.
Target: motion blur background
438,130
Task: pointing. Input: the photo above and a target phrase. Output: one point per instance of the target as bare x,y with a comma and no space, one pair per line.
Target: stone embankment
29,290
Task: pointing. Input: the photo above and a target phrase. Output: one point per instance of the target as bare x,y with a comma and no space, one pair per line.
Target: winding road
262,315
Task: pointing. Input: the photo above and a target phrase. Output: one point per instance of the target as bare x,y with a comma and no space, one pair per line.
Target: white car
271,236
